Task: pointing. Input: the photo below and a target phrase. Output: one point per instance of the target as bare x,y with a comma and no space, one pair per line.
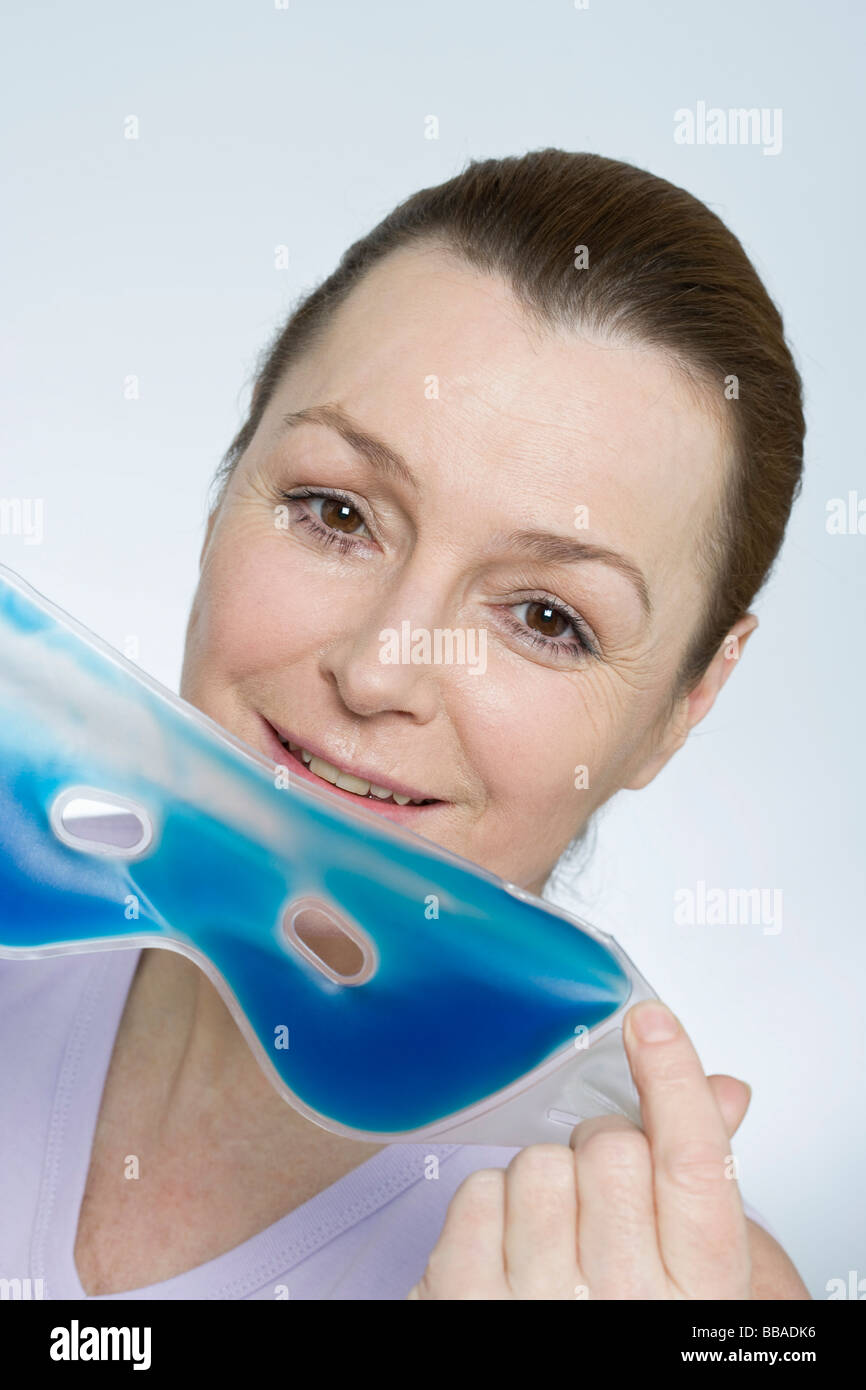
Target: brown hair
662,270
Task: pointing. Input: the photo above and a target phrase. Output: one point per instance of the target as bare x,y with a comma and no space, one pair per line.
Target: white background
303,126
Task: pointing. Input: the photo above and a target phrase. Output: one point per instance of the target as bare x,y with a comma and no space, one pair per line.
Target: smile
381,794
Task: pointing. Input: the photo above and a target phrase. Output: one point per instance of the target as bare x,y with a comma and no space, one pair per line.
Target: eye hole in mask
99,822
337,947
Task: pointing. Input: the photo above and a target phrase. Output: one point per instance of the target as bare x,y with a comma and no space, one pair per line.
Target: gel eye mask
390,990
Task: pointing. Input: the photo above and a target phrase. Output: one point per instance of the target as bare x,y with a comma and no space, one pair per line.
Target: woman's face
414,611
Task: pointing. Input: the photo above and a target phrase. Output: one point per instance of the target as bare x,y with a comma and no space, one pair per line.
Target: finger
467,1260
541,1223
699,1216
618,1252
733,1098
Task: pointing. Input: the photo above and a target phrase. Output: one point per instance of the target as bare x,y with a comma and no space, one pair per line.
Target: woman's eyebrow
544,546
548,548
377,453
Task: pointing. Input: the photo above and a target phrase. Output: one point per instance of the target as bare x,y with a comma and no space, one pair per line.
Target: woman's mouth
394,800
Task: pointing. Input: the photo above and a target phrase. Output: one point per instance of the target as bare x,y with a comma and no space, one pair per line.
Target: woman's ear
694,706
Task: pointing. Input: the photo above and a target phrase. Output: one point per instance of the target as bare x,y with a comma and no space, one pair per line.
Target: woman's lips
282,755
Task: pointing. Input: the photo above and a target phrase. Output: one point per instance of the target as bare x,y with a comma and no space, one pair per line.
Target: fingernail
652,1022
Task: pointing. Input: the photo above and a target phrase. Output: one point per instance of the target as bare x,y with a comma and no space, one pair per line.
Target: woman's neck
194,1068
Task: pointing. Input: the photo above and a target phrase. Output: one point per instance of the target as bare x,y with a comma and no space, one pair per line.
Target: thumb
733,1098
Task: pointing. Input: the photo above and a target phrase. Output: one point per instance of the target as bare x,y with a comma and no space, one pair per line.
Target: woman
548,401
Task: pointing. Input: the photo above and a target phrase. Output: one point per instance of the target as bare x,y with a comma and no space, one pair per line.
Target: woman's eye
544,618
331,518
551,629
338,514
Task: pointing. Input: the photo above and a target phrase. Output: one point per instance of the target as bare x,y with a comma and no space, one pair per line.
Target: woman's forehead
440,362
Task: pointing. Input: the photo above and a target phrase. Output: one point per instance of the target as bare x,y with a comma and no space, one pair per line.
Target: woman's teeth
345,780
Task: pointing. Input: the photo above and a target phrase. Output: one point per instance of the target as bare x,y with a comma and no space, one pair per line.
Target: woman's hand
619,1213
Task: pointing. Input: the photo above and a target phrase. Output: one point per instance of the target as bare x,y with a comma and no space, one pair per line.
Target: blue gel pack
391,991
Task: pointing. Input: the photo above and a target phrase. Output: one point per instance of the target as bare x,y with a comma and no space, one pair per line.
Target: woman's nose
378,664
